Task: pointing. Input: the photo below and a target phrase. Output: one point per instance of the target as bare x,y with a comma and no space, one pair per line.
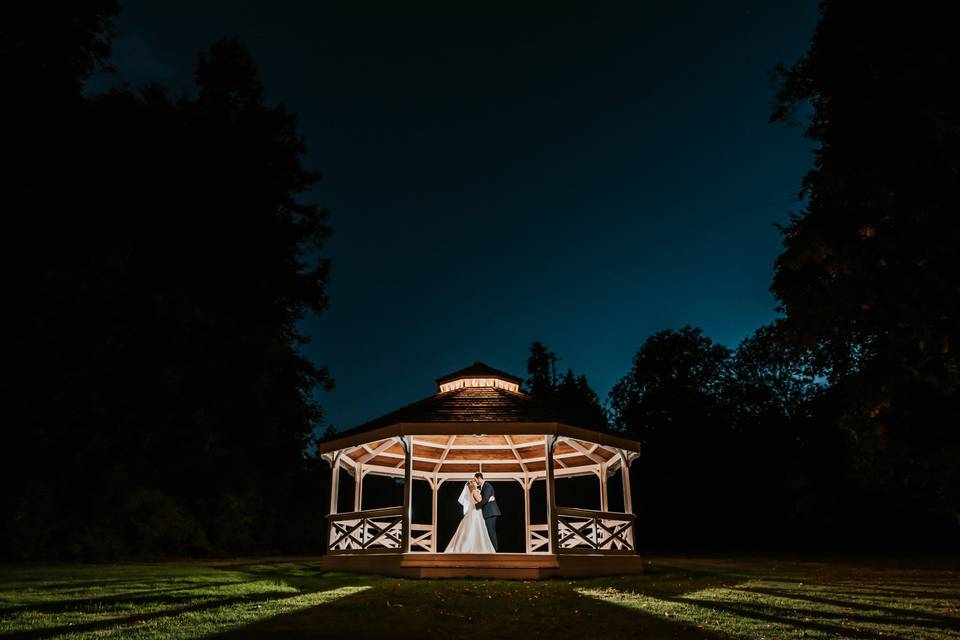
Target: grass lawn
676,598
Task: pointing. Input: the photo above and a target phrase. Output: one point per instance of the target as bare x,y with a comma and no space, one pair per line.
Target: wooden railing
376,530
578,531
421,538
586,531
538,538
371,531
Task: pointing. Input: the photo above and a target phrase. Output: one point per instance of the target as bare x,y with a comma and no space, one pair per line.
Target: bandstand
479,420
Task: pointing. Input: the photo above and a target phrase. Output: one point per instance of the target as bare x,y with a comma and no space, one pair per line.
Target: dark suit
491,511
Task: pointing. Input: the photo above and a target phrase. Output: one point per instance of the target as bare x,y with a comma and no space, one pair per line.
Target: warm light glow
479,382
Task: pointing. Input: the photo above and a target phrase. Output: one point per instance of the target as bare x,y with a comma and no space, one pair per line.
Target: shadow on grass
558,609
399,608
44,585
884,592
158,596
821,602
684,601
211,601
917,618
785,616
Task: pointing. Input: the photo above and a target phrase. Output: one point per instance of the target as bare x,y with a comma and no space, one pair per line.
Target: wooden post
526,511
604,500
433,534
407,491
627,498
625,474
335,483
549,442
358,488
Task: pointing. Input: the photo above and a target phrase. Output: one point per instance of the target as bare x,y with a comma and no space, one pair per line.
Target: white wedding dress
471,536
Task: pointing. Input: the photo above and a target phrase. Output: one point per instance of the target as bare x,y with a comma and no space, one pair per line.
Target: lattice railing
374,530
538,538
421,538
586,531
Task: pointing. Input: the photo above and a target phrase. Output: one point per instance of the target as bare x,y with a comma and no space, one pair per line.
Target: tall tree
570,395
162,403
46,56
869,279
768,378
541,380
578,402
868,274
674,374
672,401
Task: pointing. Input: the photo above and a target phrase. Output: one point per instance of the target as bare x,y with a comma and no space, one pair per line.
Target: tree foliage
868,275
671,401
569,396
159,403
735,443
674,372
869,279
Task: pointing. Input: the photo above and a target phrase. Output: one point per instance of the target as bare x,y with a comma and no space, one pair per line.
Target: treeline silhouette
838,426
158,260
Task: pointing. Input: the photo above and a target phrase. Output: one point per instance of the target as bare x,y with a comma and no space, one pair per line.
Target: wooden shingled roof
481,421
479,370
467,404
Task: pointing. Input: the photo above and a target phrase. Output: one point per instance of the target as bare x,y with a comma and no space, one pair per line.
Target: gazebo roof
478,370
478,419
466,404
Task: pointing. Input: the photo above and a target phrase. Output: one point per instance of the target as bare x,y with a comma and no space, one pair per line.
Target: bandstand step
509,566
479,560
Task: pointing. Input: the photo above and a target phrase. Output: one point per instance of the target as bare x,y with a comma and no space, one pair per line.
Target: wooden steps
484,560
508,566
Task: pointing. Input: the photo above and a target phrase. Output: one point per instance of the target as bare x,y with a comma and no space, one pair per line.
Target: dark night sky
582,174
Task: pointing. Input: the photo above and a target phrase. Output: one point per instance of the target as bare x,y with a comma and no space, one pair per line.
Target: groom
490,509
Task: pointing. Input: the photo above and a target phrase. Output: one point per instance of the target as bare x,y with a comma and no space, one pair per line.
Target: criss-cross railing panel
586,531
374,530
421,538
538,538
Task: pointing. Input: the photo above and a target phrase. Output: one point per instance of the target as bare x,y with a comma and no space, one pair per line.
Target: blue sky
582,174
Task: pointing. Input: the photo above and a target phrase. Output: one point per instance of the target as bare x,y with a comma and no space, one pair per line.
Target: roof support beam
627,497
335,481
407,493
443,456
453,427
587,452
549,442
516,455
386,444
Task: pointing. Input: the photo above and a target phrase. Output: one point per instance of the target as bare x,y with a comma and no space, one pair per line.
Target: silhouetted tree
578,402
675,373
540,380
49,54
570,396
768,378
672,401
160,403
869,278
769,392
46,55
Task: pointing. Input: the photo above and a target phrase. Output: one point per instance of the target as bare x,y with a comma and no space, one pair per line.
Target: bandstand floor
508,566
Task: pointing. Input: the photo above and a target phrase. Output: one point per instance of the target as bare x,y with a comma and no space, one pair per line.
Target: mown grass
676,598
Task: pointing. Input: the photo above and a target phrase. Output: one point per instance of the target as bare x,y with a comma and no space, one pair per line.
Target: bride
471,536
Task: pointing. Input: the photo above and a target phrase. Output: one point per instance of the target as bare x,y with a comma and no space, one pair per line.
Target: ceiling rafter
443,456
516,455
386,444
382,456
587,452
437,445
